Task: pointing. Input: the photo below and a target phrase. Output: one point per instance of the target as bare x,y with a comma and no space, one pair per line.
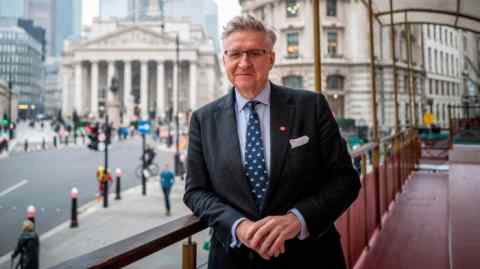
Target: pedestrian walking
102,177
167,178
28,247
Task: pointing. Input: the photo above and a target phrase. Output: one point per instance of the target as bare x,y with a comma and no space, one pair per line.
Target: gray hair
248,23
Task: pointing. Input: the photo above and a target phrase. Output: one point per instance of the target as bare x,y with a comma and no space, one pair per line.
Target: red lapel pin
283,128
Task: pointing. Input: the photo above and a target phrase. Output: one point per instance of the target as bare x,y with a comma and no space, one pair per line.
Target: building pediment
132,37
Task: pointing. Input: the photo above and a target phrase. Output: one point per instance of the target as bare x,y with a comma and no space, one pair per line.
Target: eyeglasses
252,54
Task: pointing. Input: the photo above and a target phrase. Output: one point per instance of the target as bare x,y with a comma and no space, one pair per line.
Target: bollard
25,145
74,217
118,172
55,141
44,146
31,214
66,140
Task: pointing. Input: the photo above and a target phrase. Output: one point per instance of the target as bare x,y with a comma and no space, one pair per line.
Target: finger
270,239
277,244
254,227
261,233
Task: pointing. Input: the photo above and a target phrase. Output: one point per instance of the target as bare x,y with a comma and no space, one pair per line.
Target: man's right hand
246,229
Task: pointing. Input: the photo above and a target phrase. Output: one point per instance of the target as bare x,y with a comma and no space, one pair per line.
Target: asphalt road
45,178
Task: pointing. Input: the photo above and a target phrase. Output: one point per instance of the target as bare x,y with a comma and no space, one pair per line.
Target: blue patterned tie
255,157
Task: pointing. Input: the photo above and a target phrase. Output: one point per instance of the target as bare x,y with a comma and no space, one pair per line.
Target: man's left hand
269,238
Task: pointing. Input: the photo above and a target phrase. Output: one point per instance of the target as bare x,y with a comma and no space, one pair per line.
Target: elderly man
267,167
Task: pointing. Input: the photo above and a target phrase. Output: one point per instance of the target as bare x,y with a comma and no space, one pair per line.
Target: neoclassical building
345,56
141,60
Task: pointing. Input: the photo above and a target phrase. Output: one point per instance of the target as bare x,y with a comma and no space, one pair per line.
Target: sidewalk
100,226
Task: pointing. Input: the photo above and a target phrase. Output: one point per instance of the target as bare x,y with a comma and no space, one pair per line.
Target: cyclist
149,155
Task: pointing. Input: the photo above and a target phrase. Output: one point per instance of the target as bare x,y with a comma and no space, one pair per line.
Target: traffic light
92,134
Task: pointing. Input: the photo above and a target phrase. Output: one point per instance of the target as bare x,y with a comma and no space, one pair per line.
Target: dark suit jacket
317,178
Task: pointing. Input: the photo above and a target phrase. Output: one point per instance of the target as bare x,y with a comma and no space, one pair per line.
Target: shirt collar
263,97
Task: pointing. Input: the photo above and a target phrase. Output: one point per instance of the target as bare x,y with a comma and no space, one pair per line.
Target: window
436,87
451,39
292,45
292,81
435,62
428,31
435,32
430,59
441,62
446,37
332,43
465,45
405,83
335,82
442,89
332,8
293,8
430,86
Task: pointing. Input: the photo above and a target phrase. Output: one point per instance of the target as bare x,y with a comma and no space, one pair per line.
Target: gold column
316,42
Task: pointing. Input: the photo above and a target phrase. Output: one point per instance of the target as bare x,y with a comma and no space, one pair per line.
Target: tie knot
251,104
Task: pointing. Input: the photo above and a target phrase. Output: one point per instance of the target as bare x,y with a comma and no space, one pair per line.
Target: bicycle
149,171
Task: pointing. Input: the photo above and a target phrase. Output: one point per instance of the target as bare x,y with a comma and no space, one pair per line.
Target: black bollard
55,141
74,215
25,146
44,144
117,186
66,140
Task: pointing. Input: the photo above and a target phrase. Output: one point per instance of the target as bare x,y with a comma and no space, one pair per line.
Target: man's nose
244,60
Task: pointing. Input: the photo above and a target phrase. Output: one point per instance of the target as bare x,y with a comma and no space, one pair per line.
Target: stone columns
78,89
175,88
110,74
193,85
127,89
94,88
144,89
160,88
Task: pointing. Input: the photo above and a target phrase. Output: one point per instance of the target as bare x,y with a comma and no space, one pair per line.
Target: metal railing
357,225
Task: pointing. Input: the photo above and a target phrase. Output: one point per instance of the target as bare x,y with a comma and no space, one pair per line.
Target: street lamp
177,136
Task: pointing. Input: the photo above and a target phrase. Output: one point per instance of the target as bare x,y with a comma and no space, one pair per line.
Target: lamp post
177,127
10,125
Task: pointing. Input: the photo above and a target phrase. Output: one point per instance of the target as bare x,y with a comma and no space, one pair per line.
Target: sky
226,10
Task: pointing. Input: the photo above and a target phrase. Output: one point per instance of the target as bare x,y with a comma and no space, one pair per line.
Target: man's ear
272,59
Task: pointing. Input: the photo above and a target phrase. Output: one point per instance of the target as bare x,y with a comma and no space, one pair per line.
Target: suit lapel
282,112
227,128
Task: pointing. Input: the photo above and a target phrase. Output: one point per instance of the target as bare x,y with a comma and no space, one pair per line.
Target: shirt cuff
304,231
235,242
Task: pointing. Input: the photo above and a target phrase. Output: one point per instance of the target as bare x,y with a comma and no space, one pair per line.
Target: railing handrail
129,250
134,248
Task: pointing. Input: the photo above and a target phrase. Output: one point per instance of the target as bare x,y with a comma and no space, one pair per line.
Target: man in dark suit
267,167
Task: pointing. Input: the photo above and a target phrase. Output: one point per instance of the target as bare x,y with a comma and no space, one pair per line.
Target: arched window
335,82
292,81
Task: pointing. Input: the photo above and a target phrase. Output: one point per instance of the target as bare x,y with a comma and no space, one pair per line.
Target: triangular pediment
131,37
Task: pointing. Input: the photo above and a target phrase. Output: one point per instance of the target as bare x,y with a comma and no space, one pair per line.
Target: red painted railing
357,225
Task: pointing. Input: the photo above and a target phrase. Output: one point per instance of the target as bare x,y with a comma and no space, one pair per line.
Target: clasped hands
267,236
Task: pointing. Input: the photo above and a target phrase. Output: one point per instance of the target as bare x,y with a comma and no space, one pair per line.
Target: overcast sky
226,10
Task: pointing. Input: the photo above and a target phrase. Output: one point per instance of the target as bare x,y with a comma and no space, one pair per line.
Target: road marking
12,188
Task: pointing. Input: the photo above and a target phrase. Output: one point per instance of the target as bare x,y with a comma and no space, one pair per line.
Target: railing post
365,197
189,254
450,127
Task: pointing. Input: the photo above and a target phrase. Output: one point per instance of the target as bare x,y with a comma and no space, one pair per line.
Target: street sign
143,127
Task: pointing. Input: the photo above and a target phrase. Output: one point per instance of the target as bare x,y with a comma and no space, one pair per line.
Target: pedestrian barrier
74,212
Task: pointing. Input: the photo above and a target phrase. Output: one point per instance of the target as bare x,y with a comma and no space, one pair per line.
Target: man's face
248,59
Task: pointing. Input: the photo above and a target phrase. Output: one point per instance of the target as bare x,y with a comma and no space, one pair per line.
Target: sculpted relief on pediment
132,38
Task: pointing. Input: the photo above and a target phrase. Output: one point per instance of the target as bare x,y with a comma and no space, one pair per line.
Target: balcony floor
415,235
